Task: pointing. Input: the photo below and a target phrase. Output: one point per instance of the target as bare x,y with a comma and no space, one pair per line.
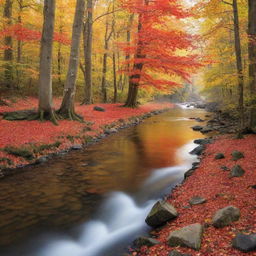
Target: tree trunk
87,34
8,42
107,37
114,77
252,57
67,107
134,79
45,77
239,64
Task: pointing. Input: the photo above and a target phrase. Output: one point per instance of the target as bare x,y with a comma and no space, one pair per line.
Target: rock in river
245,243
189,236
161,212
198,150
225,216
197,128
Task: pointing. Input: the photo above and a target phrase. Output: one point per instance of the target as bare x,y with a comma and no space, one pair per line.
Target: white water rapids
122,218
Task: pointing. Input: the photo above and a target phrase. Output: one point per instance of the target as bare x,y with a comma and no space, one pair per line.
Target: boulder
245,243
145,241
176,253
236,155
97,108
161,212
189,236
225,216
197,200
203,141
197,128
237,171
198,150
219,156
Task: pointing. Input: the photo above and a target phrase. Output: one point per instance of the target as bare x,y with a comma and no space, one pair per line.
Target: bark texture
87,34
45,78
67,109
252,58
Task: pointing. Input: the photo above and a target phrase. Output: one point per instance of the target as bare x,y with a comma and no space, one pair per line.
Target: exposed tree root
70,114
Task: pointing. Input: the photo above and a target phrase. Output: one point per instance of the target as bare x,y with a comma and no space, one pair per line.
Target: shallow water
96,200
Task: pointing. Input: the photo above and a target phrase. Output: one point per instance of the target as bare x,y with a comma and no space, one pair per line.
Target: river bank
225,177
31,142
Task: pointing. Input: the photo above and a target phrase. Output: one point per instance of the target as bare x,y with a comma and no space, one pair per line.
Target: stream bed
93,202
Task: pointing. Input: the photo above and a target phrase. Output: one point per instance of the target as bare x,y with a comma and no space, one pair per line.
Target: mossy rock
20,115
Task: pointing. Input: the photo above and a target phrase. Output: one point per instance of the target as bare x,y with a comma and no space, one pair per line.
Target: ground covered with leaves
21,142
211,182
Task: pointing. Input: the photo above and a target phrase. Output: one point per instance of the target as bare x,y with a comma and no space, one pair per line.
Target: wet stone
198,150
161,212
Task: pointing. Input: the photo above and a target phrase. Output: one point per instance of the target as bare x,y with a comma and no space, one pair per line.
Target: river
93,202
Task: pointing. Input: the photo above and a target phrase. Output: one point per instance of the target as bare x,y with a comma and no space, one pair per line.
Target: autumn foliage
160,49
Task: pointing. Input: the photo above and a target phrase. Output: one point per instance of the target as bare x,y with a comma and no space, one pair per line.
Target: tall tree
239,63
45,107
252,55
107,37
67,109
87,35
155,47
8,52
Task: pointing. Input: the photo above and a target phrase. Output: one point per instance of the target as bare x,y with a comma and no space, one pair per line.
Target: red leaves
21,33
27,133
155,46
215,185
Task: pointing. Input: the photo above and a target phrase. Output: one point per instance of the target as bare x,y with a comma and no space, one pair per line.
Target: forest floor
24,142
212,182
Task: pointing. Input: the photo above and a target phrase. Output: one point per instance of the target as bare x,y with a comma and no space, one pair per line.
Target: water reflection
68,190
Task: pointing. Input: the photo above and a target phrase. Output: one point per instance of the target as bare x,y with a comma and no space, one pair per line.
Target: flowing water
94,202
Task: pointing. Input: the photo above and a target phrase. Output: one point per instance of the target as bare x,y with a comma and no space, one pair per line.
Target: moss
47,147
7,160
21,152
70,138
